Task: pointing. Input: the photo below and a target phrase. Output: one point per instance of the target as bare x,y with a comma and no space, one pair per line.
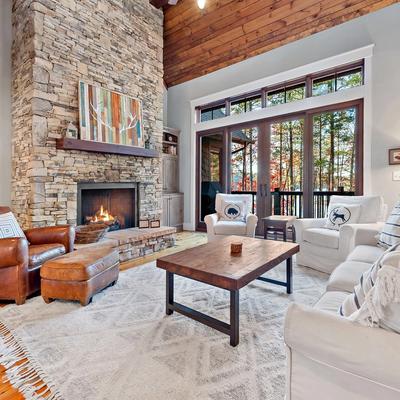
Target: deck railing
291,202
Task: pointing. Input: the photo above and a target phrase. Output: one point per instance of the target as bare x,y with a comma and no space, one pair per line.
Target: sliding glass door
291,165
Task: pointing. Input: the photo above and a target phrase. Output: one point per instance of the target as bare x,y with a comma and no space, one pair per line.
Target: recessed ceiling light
201,4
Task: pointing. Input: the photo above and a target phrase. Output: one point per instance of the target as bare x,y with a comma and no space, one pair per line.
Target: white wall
5,102
381,28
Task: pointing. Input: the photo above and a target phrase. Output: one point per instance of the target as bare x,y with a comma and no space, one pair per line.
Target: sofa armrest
62,234
302,224
352,235
211,219
326,338
13,251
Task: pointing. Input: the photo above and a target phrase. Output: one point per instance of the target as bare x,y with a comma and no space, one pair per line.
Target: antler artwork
95,112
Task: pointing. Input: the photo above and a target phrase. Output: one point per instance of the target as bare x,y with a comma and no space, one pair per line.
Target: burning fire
103,216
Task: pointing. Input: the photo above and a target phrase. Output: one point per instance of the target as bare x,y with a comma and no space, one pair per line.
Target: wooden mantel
100,147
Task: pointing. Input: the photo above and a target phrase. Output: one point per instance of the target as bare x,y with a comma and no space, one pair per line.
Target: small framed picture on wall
394,156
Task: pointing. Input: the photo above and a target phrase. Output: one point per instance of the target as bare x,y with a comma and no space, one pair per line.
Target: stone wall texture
116,44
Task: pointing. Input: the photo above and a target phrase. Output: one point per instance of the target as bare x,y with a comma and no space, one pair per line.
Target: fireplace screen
111,204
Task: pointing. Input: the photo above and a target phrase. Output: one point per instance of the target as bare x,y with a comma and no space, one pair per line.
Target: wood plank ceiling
228,31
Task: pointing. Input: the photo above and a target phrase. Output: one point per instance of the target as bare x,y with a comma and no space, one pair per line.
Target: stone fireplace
116,44
114,204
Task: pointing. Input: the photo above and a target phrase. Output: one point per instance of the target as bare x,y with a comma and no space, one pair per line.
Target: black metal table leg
234,323
169,293
289,275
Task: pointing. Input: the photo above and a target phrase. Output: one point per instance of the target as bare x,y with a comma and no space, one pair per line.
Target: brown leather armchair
21,259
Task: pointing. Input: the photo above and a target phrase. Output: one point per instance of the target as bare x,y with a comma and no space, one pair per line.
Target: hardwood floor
185,240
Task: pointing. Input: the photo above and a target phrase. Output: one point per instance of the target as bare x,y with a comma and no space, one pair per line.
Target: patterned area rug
122,346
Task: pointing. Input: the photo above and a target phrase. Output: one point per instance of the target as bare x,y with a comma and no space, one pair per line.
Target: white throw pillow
232,211
376,299
9,226
390,234
340,214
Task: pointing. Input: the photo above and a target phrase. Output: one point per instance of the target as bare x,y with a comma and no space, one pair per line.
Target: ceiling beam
163,3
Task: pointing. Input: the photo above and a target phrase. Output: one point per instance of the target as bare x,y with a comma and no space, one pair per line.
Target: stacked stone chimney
116,44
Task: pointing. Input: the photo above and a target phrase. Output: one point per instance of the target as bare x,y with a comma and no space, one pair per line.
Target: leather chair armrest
13,251
62,234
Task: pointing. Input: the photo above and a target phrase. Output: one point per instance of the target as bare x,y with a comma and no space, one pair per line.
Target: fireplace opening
113,204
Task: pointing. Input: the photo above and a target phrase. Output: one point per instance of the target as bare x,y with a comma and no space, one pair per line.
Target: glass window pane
323,86
287,155
208,114
277,97
245,105
211,172
219,112
244,160
334,136
295,93
349,79
286,167
254,104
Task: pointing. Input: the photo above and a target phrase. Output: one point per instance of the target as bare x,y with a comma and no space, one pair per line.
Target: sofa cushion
365,253
230,228
331,301
355,301
390,234
40,253
375,301
322,237
346,276
9,226
80,265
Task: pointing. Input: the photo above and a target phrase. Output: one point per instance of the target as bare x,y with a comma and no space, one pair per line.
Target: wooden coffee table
212,263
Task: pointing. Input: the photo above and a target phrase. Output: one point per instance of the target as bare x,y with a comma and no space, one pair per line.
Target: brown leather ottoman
79,275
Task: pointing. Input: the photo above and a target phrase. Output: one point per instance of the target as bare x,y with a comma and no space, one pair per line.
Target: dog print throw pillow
341,214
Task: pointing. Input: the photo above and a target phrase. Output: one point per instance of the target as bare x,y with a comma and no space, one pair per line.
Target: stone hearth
116,44
133,243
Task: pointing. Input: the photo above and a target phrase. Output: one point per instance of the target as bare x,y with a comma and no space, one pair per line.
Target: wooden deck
185,240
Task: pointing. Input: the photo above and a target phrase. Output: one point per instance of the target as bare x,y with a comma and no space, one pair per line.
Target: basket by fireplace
92,233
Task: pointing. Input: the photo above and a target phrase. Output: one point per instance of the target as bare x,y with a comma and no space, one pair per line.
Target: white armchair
324,249
216,228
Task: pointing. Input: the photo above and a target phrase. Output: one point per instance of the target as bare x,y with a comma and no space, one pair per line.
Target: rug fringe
22,372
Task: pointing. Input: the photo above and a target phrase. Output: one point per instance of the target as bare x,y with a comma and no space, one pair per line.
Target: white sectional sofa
330,357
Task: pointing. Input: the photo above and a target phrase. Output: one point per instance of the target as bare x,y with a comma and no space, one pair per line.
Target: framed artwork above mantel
110,117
